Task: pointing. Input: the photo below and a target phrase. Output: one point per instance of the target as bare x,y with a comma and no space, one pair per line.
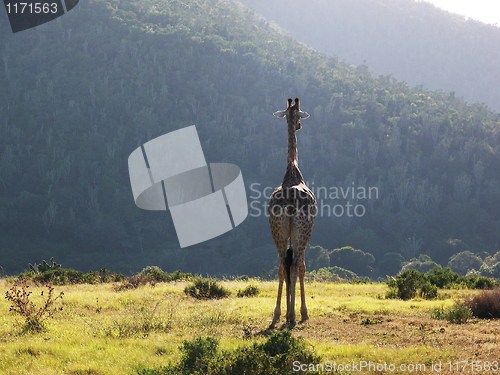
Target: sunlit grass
102,331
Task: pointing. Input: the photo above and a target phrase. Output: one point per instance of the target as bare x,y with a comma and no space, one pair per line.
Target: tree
464,261
317,257
491,266
352,259
422,264
391,263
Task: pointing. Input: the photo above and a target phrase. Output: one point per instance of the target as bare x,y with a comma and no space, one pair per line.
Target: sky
487,11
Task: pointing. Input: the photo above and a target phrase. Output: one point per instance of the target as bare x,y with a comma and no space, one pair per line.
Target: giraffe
292,208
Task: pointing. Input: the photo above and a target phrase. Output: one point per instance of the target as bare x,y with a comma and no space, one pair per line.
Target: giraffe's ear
280,114
303,114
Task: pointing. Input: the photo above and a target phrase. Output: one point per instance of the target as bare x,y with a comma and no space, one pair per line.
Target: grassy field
102,331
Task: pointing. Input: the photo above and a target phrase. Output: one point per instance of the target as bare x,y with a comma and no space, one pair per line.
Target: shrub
442,277
410,284
156,274
34,315
249,291
405,284
457,314
53,273
485,305
335,274
475,281
203,288
428,291
197,354
446,278
63,276
152,275
273,357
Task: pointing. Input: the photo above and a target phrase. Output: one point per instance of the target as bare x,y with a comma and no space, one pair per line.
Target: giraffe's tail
288,263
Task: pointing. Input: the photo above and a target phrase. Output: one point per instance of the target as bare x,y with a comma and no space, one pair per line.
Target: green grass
102,331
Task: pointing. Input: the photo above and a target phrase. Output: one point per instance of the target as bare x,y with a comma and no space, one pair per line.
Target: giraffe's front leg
277,309
303,307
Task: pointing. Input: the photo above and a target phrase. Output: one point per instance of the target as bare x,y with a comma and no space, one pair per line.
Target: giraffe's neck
293,176
292,146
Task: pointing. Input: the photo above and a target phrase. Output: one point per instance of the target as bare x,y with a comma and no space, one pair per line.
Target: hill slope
80,93
413,41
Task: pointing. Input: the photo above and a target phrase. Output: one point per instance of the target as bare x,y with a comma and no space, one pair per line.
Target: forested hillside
411,40
78,94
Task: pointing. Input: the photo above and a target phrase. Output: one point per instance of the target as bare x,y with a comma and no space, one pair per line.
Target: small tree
34,315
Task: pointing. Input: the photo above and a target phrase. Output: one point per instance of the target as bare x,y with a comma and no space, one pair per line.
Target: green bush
156,274
457,314
203,288
273,357
53,273
475,281
152,275
335,274
428,291
249,291
198,355
410,284
442,277
62,276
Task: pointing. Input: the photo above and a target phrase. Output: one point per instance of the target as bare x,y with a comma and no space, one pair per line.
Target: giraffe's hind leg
280,232
281,278
303,226
303,308
297,257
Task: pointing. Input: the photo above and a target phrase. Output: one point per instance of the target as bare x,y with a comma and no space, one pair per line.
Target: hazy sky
487,11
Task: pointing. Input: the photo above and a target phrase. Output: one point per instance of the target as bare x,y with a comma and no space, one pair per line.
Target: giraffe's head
292,113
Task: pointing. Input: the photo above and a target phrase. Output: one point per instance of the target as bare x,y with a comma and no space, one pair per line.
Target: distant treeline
80,93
